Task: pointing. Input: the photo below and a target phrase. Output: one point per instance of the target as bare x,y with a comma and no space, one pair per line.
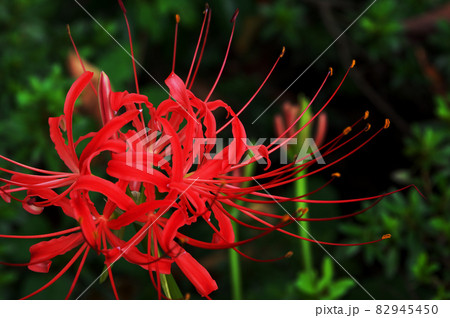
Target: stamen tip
122,7
347,130
289,254
285,218
386,236
367,128
282,51
302,211
183,240
330,70
206,8
177,18
187,296
366,114
387,123
233,19
336,175
353,64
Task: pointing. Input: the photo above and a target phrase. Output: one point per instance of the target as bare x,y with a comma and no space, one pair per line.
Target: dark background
402,72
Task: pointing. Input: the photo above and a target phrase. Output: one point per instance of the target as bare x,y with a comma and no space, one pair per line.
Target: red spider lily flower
166,178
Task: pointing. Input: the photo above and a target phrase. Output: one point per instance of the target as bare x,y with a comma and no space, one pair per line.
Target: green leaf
170,287
327,274
307,283
104,275
339,288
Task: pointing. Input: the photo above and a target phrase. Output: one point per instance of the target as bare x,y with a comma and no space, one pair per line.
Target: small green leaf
170,287
306,282
327,274
104,275
340,288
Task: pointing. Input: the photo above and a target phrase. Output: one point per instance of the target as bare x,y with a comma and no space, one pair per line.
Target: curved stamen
205,13
77,275
80,59
124,11
177,19
203,48
254,95
54,279
233,20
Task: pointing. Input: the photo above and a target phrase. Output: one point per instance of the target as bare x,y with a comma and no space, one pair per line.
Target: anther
233,19
367,128
289,254
353,64
177,18
187,296
62,124
302,211
386,236
347,130
366,114
206,8
330,70
282,51
336,175
182,240
387,123
285,218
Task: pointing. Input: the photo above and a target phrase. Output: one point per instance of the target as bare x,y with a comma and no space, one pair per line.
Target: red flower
174,179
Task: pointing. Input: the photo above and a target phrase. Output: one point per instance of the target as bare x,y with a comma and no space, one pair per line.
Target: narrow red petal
43,252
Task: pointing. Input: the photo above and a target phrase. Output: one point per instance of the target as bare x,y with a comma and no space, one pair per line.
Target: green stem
301,187
235,264
234,257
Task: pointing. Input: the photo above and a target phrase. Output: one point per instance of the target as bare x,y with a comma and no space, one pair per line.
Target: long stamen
131,44
314,240
59,274
152,236
305,110
79,58
203,48
177,19
110,275
256,93
313,117
205,13
41,235
233,20
77,275
122,7
32,168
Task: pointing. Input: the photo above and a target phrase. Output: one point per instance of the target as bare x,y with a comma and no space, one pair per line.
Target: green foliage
416,224
324,285
378,29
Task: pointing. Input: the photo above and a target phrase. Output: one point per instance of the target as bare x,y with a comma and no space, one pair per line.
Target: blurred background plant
402,72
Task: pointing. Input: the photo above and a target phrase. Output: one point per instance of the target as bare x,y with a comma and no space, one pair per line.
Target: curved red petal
43,252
